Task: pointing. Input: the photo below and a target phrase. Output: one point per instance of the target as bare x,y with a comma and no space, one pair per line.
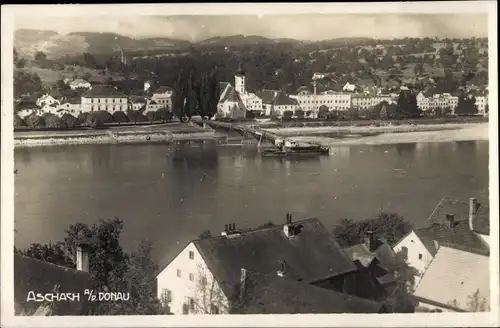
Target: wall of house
231,109
188,281
105,104
418,256
163,99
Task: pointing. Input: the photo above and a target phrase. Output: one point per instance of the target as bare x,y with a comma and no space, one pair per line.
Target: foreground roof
460,209
454,275
383,253
43,277
270,294
104,91
311,255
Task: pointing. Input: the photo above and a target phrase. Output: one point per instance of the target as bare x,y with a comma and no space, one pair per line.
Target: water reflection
406,149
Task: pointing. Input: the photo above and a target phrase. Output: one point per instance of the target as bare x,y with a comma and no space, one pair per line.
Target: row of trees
90,119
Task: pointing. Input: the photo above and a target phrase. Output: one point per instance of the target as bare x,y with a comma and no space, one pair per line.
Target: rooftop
311,255
44,277
270,294
282,99
458,275
267,96
163,89
104,91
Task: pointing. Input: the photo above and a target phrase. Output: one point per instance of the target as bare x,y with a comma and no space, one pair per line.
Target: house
271,294
302,251
104,97
34,277
136,102
79,84
151,106
53,97
163,96
453,223
332,99
481,103
455,281
282,103
348,87
267,97
71,106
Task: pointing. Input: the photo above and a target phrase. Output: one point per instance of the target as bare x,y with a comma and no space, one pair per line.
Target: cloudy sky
303,27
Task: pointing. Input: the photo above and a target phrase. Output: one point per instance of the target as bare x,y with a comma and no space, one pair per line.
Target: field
51,76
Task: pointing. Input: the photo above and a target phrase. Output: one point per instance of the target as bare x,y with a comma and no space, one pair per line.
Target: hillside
55,45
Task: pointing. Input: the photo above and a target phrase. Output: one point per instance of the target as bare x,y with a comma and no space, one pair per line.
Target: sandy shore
465,132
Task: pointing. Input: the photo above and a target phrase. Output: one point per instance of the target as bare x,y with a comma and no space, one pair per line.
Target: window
419,256
185,309
214,309
191,276
191,255
191,303
166,295
203,281
179,273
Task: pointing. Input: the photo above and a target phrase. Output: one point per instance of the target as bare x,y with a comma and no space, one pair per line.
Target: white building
348,87
71,106
333,100
79,84
368,101
231,103
481,103
105,98
432,102
136,103
163,96
453,222
151,106
53,97
206,275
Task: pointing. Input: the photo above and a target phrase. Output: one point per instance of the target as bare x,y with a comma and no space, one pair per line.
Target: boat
294,148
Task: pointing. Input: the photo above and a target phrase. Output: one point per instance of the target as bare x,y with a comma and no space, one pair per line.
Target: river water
169,194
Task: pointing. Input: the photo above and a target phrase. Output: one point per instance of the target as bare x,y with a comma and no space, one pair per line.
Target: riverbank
393,135
328,136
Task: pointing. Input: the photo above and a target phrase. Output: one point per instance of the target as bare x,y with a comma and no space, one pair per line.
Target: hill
55,45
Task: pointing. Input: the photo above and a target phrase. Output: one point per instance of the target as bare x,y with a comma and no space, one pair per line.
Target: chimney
473,205
450,220
370,240
288,218
82,257
243,281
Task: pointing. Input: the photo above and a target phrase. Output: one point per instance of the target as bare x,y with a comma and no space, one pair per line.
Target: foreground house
455,223
270,294
455,281
205,277
32,275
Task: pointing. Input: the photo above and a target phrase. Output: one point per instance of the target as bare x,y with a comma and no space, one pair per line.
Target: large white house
453,223
206,276
79,84
104,97
163,96
333,100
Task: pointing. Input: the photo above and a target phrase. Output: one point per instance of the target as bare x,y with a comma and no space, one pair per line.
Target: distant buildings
105,98
79,84
163,96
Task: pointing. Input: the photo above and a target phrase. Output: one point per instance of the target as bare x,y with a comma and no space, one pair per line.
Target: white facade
481,103
79,84
348,87
71,108
110,105
46,100
231,109
442,101
418,256
239,83
152,106
252,102
333,100
164,99
189,286
365,102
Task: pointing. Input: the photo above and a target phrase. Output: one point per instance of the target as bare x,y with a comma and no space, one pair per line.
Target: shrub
68,121
35,122
19,122
120,117
287,115
52,121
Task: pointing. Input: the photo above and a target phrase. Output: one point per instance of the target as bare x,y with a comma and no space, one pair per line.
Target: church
235,101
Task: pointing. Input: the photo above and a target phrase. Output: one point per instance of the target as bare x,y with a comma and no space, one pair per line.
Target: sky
301,27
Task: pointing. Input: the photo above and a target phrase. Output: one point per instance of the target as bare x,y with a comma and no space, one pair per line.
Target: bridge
243,129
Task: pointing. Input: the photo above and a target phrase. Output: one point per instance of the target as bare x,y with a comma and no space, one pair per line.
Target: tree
401,299
209,297
205,234
40,56
35,122
68,121
287,115
120,117
407,104
389,226
83,118
323,111
136,116
477,303
18,122
163,114
52,121
466,105
299,113
383,113
26,83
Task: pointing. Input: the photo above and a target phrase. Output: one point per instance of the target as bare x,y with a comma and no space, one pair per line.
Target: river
170,194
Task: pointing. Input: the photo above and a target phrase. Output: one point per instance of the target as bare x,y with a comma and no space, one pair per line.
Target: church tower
239,80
